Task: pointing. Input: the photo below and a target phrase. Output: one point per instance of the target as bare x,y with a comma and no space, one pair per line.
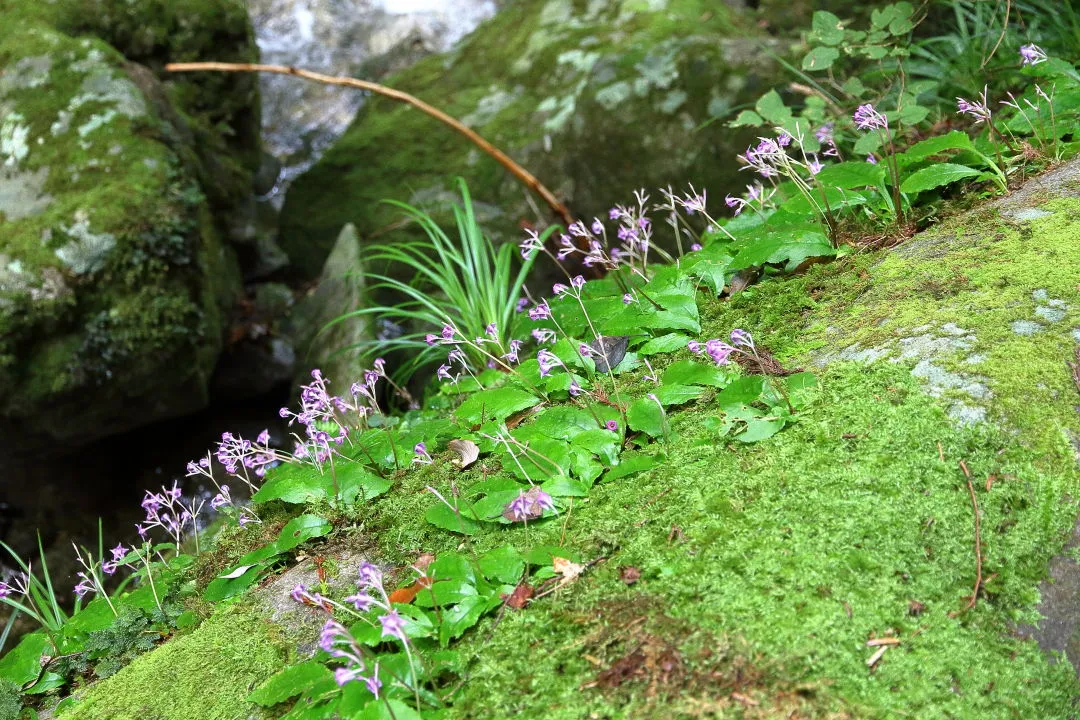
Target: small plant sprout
868,119
720,353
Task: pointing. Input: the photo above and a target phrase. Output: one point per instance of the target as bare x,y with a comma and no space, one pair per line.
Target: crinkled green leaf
495,403
748,118
300,530
645,415
290,682
820,58
222,589
674,394
851,175
631,463
664,344
689,372
771,107
504,564
444,517
294,484
22,664
826,28
936,175
955,140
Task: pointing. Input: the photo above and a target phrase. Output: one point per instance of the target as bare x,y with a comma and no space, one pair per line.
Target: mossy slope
766,568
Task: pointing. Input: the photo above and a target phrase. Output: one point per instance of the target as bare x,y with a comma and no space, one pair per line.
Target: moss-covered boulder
596,99
114,273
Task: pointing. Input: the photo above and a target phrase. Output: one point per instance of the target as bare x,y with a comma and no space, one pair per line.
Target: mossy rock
114,278
596,99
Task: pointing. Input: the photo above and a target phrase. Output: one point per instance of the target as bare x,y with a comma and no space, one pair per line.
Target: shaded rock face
596,99
360,38
114,275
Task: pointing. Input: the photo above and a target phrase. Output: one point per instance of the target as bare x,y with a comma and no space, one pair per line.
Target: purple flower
627,298
979,109
574,388
431,339
597,227
814,166
393,625
824,134
614,213
612,425
443,373
743,338
263,438
528,505
548,360
118,552
719,351
871,159
370,575
578,282
5,590
783,139
542,311
361,601
543,336
421,454
491,331
448,332
559,289
85,585
695,347
1031,55
867,118
585,350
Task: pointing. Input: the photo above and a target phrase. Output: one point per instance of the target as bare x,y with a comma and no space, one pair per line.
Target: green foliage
466,283
10,704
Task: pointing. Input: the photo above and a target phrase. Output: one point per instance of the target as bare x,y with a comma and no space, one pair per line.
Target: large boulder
596,99
114,274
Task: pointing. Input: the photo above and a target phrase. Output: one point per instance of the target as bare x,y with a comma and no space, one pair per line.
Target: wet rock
340,289
114,274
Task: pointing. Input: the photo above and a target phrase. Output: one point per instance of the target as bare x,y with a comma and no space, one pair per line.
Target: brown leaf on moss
520,597
629,574
769,365
466,450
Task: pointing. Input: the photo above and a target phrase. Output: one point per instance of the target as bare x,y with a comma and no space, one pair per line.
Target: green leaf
742,391
503,564
851,175
677,394
664,344
443,517
544,554
357,483
875,52
791,248
290,682
688,372
868,143
955,140
820,58
389,710
49,681
771,107
747,118
913,114
600,442
854,86
300,530
22,664
294,484
222,589
563,486
760,429
935,176
459,618
495,404
631,463
826,28
645,415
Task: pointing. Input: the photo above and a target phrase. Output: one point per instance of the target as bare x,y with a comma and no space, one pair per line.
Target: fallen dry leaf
520,596
569,570
467,452
629,574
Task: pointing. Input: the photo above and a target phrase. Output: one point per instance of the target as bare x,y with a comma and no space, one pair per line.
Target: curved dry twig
527,178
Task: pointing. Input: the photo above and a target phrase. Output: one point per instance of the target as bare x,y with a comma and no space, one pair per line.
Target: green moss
207,674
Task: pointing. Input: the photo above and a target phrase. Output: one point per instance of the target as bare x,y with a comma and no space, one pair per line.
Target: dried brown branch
978,543
527,178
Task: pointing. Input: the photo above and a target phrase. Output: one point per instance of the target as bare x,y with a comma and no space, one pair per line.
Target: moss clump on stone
207,674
